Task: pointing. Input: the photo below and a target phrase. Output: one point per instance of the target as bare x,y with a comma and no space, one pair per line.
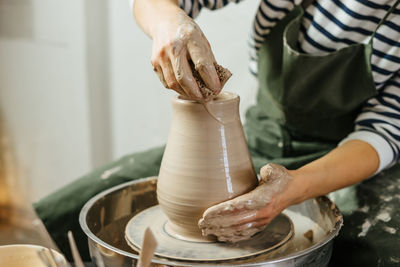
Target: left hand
240,218
177,41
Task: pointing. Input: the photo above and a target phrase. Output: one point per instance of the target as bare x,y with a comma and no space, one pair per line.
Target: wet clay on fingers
204,163
177,44
223,75
223,220
208,94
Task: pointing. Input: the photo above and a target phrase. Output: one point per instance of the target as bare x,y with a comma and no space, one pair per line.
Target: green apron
306,104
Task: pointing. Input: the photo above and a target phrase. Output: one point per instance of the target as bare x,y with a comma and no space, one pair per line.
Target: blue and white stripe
329,25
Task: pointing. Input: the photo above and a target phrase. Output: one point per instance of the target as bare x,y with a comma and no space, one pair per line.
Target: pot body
206,161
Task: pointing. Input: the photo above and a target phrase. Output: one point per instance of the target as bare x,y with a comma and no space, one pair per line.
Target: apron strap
390,11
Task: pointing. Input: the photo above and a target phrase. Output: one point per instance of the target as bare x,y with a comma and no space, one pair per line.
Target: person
327,113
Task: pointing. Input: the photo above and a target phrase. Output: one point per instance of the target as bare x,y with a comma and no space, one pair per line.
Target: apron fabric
370,236
305,105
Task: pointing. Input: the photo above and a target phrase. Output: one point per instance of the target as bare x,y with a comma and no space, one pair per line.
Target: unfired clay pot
206,162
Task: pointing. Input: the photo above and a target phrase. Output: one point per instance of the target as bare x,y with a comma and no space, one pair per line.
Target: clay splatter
110,172
390,230
309,235
364,209
384,216
386,198
395,259
365,228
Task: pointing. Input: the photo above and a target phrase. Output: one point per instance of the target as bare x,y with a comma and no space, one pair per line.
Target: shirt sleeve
379,123
193,7
269,13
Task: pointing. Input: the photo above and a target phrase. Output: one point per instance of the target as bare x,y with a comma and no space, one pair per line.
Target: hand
240,218
178,42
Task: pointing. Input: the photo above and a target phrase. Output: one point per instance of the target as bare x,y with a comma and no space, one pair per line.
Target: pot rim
82,221
223,97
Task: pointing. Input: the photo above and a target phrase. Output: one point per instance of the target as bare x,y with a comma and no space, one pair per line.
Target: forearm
151,13
348,164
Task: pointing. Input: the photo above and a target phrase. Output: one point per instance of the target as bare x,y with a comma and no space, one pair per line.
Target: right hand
241,217
176,41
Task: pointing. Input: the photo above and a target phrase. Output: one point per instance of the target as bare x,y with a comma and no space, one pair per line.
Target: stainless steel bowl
105,216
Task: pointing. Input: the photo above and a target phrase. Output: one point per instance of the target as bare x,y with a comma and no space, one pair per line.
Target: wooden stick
148,248
75,251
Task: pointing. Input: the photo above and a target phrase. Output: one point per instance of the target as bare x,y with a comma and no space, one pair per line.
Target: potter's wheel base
274,236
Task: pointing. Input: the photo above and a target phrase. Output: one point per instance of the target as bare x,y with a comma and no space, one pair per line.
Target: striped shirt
329,25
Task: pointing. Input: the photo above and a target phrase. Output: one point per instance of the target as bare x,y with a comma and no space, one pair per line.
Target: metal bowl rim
92,236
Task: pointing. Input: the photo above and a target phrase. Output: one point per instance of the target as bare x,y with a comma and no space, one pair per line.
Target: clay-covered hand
240,218
179,43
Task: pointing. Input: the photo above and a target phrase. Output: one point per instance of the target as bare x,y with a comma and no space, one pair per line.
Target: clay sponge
223,75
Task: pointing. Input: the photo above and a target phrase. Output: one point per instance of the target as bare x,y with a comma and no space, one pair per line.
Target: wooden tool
148,248
74,250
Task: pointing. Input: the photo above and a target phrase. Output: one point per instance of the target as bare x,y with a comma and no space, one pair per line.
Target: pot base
172,230
274,236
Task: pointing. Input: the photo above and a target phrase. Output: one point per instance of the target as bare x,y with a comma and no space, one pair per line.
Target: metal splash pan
105,216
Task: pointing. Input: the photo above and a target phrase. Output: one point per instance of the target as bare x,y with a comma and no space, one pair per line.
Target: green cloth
60,210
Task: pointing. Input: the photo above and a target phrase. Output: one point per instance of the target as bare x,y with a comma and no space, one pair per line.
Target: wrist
152,15
297,189
168,18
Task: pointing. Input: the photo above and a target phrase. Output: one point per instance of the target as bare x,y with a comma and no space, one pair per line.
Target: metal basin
105,216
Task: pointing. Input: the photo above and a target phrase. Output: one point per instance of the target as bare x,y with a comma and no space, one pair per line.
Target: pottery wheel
276,234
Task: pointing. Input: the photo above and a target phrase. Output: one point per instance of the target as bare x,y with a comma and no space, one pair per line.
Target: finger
232,234
272,171
240,217
204,64
262,222
157,69
229,231
255,217
229,220
222,209
243,228
238,204
169,77
254,223
184,76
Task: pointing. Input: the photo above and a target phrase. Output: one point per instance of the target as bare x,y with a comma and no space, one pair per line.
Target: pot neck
222,109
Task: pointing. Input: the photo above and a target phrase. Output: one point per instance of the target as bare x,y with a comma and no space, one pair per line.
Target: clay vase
206,161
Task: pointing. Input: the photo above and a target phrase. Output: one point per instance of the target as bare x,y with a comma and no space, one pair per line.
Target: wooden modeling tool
148,248
75,251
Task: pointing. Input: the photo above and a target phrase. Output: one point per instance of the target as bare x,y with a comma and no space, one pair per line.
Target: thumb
272,171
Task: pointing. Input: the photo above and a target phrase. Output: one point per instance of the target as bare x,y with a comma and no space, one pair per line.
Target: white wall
141,107
77,87
43,90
